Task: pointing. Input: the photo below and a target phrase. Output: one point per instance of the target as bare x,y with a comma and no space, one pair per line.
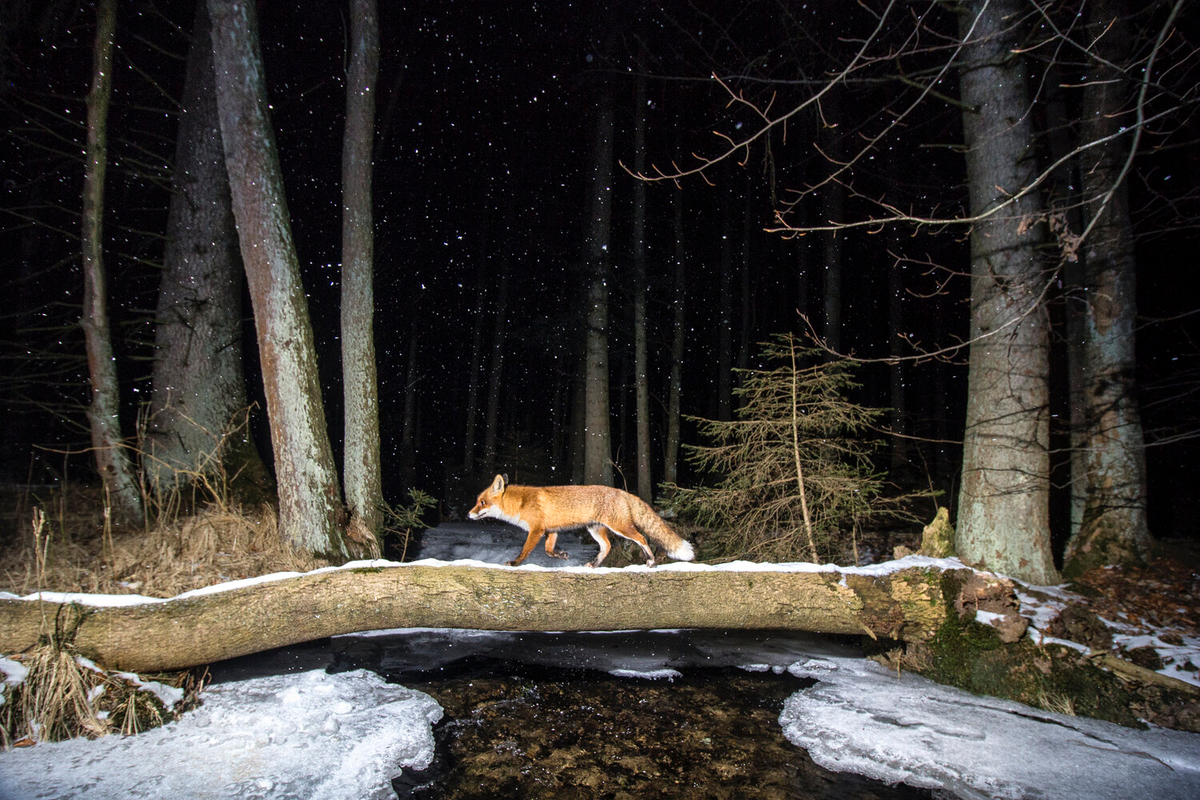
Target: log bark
910,604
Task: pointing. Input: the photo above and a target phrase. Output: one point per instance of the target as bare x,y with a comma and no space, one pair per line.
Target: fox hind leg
598,533
632,535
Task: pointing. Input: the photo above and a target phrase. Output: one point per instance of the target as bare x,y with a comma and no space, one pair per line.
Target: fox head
484,505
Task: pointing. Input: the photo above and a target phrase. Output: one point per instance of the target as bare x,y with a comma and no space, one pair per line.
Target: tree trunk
910,605
1003,515
475,365
112,459
361,463
310,507
898,415
495,372
725,309
197,423
641,377
409,429
1065,199
597,441
1113,529
746,328
833,203
675,385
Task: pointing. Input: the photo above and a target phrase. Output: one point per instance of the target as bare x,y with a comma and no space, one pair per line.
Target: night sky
484,130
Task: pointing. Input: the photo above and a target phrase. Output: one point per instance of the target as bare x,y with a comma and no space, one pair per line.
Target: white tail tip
683,552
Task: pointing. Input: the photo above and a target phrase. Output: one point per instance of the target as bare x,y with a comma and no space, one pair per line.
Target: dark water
540,715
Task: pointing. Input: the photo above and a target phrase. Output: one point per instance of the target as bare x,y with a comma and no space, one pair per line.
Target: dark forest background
483,151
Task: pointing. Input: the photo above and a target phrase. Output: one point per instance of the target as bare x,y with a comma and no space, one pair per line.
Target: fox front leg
531,540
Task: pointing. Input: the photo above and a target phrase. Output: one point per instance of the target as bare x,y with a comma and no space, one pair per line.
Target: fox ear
498,484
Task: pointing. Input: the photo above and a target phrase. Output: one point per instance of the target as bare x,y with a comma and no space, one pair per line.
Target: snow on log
907,601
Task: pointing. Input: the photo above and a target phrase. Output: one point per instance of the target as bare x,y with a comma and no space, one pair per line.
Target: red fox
547,510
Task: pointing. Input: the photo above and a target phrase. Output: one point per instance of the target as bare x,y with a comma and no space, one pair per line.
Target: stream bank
634,714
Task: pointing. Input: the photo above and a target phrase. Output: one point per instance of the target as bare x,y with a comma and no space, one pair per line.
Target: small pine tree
795,476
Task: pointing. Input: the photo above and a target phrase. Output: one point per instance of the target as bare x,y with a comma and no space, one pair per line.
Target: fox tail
653,528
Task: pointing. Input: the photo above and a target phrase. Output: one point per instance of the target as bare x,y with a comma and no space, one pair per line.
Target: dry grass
50,544
81,554
63,696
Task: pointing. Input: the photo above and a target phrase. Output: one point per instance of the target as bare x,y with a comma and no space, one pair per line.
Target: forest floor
1146,616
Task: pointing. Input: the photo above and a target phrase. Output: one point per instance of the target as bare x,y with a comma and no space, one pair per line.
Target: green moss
971,656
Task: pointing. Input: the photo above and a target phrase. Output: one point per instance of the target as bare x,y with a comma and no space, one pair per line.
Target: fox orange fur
547,510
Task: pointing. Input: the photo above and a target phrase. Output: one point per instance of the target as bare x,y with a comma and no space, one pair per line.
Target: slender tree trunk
112,459
597,443
831,209
1065,198
361,463
1003,516
641,377
1113,529
475,365
675,384
496,372
804,268
311,514
896,370
833,202
746,329
409,427
199,386
725,311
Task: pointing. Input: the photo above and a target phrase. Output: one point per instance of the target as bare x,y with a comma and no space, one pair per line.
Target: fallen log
908,603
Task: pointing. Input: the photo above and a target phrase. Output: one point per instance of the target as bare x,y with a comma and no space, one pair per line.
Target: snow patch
648,674
862,718
308,734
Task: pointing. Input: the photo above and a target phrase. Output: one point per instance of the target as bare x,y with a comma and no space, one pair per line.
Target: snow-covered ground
301,735
863,718
307,733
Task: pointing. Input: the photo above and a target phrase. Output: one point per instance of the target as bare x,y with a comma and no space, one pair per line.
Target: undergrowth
51,693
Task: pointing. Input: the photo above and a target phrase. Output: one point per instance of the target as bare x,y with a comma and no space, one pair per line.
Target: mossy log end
999,660
188,631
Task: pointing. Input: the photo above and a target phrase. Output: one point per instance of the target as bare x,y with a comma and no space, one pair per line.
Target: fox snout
484,503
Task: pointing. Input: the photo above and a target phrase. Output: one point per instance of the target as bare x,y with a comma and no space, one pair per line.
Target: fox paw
560,554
